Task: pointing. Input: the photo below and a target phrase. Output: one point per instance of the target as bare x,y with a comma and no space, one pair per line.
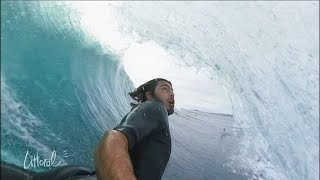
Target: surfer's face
164,93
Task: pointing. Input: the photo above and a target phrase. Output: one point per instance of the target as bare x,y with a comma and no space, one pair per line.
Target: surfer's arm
112,155
112,159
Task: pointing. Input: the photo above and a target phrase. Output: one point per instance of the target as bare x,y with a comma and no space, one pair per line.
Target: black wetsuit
147,130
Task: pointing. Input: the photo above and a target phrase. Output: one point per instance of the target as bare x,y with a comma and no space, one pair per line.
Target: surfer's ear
149,96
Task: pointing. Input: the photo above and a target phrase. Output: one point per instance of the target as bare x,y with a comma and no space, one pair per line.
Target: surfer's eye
165,88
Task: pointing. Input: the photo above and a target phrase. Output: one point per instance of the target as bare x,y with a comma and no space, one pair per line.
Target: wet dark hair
139,94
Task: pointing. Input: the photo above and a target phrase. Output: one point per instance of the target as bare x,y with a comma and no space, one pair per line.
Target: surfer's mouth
171,102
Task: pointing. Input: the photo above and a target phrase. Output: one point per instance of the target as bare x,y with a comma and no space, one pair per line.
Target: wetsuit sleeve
141,121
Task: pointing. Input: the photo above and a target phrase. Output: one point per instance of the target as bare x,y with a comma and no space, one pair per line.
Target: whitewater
245,76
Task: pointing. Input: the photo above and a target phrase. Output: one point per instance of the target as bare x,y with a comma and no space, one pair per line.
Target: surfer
140,146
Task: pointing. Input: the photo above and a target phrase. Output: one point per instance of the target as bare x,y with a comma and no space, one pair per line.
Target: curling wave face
62,83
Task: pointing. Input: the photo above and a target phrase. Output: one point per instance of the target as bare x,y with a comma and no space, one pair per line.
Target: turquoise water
62,87
53,88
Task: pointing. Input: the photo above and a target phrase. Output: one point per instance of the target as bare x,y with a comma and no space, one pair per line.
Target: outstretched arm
112,159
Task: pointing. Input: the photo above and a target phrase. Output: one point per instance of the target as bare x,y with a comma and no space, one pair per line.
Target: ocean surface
245,75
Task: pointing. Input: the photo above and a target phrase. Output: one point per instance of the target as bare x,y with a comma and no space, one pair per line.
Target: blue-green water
56,89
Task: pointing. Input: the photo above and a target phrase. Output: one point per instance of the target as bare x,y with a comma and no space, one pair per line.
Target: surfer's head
155,90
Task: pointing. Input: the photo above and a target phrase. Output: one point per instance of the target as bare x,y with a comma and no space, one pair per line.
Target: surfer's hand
112,159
